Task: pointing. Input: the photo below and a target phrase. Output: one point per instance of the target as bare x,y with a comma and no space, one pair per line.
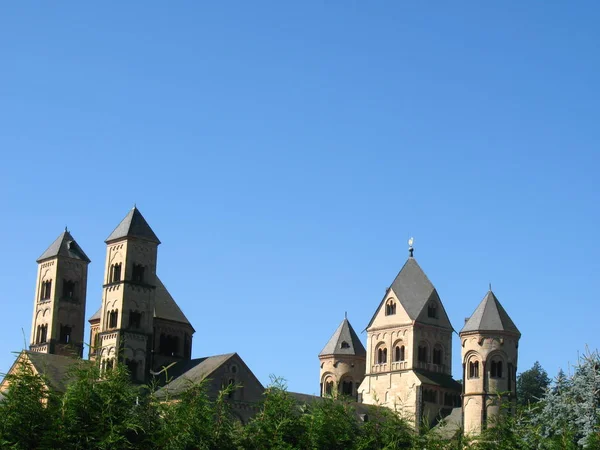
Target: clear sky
285,151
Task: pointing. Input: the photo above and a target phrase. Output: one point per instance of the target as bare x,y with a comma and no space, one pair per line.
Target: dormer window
138,273
115,273
68,289
390,308
46,290
344,344
432,311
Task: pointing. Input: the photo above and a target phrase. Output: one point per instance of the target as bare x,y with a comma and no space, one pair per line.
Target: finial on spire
490,287
66,230
345,314
410,247
134,205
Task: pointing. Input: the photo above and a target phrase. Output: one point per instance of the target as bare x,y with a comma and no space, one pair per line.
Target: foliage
106,411
532,384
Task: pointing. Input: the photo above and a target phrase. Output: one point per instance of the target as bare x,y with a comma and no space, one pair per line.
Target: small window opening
115,273
432,311
68,289
46,290
496,369
135,319
344,344
382,355
474,369
390,308
113,317
138,273
422,354
437,356
65,334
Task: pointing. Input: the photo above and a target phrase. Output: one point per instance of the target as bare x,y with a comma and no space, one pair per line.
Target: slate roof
191,372
65,246
166,307
133,225
490,316
413,289
55,367
438,379
344,333
96,315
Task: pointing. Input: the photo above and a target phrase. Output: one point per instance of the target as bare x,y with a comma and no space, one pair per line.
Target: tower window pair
474,369
41,334
496,369
346,388
390,308
422,354
382,355
437,356
168,345
65,334
137,274
46,290
135,319
113,318
399,353
115,273
68,289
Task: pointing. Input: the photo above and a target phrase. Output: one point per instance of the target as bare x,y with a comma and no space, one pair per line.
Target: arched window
115,273
399,353
382,355
390,307
46,290
496,369
113,317
137,273
329,387
346,387
437,355
68,289
473,369
432,310
422,355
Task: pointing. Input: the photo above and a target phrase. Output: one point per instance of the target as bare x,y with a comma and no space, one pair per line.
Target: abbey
406,365
137,321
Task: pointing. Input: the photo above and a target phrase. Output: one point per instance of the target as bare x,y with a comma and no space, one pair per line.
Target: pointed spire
344,341
490,316
65,246
133,225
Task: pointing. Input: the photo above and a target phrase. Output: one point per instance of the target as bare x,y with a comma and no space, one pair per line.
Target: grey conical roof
133,225
344,334
64,245
490,316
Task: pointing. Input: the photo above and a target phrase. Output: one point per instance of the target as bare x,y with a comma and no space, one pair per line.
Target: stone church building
407,363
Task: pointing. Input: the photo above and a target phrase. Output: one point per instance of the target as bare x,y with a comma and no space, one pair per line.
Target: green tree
532,384
28,410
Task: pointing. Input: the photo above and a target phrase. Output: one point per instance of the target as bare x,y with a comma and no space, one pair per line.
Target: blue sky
284,153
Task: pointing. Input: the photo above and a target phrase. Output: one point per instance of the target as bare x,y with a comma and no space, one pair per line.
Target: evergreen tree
532,384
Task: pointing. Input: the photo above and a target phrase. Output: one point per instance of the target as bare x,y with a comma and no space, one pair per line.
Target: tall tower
60,294
128,298
490,342
342,363
409,349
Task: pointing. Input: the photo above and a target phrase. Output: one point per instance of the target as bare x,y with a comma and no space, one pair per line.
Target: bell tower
60,295
490,342
342,363
128,296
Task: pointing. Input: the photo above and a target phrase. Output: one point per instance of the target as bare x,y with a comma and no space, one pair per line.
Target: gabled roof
65,246
437,379
413,289
490,316
133,225
191,372
165,306
55,368
344,333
